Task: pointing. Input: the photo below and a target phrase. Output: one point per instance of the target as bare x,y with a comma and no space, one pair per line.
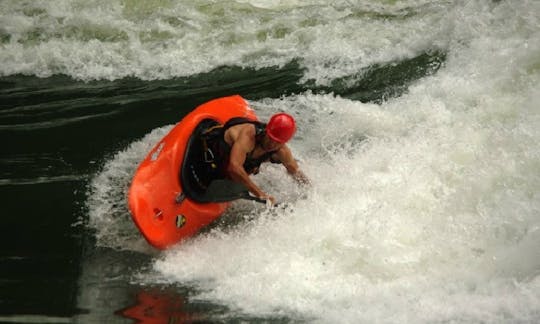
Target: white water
107,198
160,39
424,209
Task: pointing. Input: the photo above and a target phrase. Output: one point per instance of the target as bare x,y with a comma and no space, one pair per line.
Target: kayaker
239,147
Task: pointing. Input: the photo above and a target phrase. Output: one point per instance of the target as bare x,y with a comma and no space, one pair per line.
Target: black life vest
218,150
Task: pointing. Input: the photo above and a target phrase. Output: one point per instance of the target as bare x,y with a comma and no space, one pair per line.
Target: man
242,145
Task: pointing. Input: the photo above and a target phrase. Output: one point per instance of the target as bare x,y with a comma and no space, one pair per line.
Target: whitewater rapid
150,40
423,209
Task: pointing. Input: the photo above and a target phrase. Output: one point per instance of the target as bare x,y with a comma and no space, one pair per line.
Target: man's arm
243,143
284,155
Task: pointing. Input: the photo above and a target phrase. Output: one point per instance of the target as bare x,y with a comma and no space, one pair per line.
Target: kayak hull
156,198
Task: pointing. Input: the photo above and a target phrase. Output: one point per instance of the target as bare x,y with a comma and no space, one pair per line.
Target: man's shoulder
284,152
243,127
240,121
245,132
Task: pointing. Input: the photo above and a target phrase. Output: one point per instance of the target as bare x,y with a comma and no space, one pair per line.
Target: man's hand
268,198
284,155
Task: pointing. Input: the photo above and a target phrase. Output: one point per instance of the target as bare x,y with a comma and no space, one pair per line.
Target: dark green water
58,132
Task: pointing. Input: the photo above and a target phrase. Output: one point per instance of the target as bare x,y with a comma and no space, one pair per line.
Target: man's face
269,144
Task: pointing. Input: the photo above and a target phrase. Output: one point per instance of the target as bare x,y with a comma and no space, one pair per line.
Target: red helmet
281,127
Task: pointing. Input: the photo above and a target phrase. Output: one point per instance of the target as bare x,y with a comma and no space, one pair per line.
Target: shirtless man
243,145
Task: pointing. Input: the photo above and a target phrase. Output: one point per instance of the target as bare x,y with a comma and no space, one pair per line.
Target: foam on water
107,196
162,39
418,215
423,209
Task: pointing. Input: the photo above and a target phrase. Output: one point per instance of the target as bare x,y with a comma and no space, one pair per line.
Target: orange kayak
159,198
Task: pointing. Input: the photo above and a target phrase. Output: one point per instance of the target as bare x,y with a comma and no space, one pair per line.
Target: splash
107,197
150,40
423,209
